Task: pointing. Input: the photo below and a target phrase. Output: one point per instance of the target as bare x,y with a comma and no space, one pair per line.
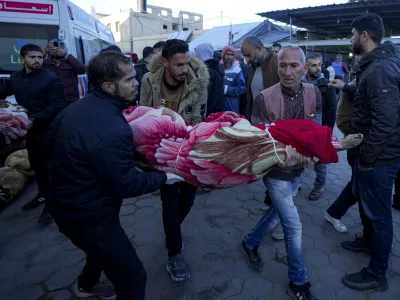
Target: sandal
315,194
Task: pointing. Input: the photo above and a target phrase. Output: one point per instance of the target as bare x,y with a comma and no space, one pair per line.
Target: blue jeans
374,187
322,172
284,210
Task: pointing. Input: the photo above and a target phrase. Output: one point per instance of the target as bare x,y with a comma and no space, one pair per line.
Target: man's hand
172,178
337,84
295,160
49,49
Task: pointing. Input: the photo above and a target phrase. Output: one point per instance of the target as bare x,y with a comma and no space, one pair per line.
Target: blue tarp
267,32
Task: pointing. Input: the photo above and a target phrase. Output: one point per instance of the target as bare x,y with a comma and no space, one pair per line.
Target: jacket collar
385,50
118,102
314,81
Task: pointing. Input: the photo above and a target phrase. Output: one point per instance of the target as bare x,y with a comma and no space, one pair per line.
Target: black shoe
364,280
45,217
253,257
103,290
358,245
267,199
177,268
33,203
300,292
396,203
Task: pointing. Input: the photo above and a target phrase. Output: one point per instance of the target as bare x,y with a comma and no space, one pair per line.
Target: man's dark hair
314,56
112,48
277,45
105,67
160,44
173,47
253,41
371,23
28,48
147,51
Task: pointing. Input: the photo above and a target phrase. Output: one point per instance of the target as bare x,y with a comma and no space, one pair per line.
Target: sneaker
364,280
253,257
35,202
177,268
337,224
300,292
45,218
103,290
277,233
358,245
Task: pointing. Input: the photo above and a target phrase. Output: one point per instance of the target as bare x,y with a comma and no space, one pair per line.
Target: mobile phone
55,44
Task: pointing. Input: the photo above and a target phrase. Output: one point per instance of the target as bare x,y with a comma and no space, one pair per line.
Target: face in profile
251,54
33,60
177,66
127,87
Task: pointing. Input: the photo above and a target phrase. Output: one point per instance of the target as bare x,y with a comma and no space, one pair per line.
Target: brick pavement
40,263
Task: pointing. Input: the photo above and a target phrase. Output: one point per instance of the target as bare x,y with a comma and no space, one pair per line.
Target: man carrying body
179,82
41,93
234,83
301,101
376,115
93,169
315,76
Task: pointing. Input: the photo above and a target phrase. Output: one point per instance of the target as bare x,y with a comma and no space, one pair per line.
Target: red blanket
222,152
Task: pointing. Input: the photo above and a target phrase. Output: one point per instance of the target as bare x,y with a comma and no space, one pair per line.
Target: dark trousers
396,196
35,144
374,188
346,198
108,249
177,200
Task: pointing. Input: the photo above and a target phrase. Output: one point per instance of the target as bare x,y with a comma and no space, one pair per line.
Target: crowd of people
83,157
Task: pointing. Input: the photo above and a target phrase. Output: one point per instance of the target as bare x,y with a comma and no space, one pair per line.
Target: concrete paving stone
312,273
36,274
237,297
394,264
145,237
143,223
222,195
322,204
316,257
68,258
7,288
220,263
47,254
222,222
127,210
58,295
213,246
394,285
227,284
201,279
145,202
195,258
345,261
242,268
62,278
267,252
176,292
259,197
210,232
383,296
25,293
346,293
313,231
17,250
331,276
279,291
311,210
307,243
10,269
217,211
207,295
231,234
327,245
189,229
396,249
257,288
251,204
324,292
275,272
243,196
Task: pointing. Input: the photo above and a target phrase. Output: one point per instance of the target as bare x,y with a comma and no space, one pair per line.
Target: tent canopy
219,36
267,32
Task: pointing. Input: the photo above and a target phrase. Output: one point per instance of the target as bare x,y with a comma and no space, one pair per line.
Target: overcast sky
235,11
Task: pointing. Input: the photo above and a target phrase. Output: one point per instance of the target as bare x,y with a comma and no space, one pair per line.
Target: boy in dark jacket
41,93
93,169
215,100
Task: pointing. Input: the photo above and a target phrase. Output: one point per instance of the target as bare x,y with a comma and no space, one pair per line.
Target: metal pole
291,30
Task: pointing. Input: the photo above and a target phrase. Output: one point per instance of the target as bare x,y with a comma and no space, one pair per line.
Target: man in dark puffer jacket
92,168
376,115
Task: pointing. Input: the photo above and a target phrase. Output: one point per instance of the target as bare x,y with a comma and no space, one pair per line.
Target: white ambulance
38,21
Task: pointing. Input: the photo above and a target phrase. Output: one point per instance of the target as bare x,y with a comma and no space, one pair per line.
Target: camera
56,44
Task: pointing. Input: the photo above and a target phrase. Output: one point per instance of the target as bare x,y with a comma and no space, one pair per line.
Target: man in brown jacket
263,72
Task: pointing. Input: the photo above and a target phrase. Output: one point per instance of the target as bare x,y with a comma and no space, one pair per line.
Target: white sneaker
337,224
277,233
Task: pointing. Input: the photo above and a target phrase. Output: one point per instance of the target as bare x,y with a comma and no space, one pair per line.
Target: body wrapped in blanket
226,150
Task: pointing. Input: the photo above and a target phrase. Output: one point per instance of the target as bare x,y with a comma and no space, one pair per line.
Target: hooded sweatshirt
234,83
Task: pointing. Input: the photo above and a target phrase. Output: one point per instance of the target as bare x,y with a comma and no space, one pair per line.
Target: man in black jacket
92,168
376,115
314,75
41,92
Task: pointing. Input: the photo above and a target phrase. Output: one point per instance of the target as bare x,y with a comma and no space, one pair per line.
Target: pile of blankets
13,126
224,151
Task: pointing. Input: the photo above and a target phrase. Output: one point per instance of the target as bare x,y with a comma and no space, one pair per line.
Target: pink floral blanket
13,126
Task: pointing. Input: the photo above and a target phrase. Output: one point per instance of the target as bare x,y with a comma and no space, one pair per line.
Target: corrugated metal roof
335,20
181,35
219,36
267,32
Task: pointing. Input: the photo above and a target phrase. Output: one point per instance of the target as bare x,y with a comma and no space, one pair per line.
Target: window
185,29
109,25
185,16
117,26
164,13
165,26
87,45
175,27
197,18
149,10
14,35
